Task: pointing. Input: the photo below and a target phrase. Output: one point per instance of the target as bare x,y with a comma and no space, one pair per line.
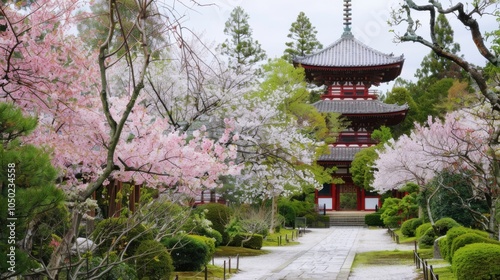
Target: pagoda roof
358,107
348,52
349,60
341,154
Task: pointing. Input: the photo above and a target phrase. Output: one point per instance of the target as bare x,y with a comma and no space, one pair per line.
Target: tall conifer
303,36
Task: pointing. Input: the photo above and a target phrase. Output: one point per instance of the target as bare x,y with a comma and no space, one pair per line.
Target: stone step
347,218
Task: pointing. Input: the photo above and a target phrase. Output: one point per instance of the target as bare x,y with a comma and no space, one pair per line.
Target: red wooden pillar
335,197
362,196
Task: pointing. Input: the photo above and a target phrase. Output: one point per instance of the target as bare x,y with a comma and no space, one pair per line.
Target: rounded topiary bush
455,232
409,227
374,220
469,238
420,231
443,225
119,234
219,215
188,253
477,261
153,261
444,247
255,241
427,239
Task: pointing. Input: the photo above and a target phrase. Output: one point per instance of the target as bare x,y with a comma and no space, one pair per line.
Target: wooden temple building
349,69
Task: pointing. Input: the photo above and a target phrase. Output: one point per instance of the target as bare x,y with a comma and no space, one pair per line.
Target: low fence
427,269
394,235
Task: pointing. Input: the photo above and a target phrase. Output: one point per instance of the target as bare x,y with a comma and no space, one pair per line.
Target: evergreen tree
303,36
31,207
242,50
434,66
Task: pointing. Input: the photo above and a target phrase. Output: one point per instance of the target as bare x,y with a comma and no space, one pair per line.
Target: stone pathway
325,254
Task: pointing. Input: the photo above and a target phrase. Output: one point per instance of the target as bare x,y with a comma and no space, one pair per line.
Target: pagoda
348,69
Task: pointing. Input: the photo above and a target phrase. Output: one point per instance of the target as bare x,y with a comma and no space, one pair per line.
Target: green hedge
255,241
477,261
409,226
451,235
420,231
374,220
153,261
188,253
469,238
443,225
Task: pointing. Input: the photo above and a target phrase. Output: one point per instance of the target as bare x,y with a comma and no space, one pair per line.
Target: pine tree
30,203
434,66
303,36
242,50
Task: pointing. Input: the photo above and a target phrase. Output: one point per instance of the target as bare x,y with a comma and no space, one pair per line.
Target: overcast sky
270,21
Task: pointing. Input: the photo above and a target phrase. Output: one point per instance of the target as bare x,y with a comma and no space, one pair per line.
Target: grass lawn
213,272
383,258
229,251
272,239
403,238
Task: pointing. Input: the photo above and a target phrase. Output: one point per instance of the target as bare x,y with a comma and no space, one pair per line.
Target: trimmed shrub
420,231
443,225
477,261
153,261
444,248
210,242
427,240
188,253
469,238
109,232
219,215
455,232
409,227
374,220
255,241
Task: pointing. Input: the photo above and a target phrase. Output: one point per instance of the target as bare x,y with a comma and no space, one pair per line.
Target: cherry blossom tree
89,103
461,143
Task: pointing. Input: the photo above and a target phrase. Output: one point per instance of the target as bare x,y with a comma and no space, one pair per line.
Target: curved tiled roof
348,52
341,154
357,106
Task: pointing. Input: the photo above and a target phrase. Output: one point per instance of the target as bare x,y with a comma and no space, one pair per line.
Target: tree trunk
62,249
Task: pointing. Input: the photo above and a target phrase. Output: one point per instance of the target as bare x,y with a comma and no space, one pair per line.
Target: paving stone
325,254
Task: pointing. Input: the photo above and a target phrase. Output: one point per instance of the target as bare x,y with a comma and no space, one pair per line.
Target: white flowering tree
461,143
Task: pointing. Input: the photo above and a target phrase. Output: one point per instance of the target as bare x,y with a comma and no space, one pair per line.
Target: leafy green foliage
410,226
251,241
98,266
454,233
469,238
153,261
390,212
450,188
119,235
427,239
444,224
477,261
374,220
422,229
401,96
188,253
219,215
288,212
28,194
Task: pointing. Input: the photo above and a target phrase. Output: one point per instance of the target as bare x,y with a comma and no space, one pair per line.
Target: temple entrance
348,198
